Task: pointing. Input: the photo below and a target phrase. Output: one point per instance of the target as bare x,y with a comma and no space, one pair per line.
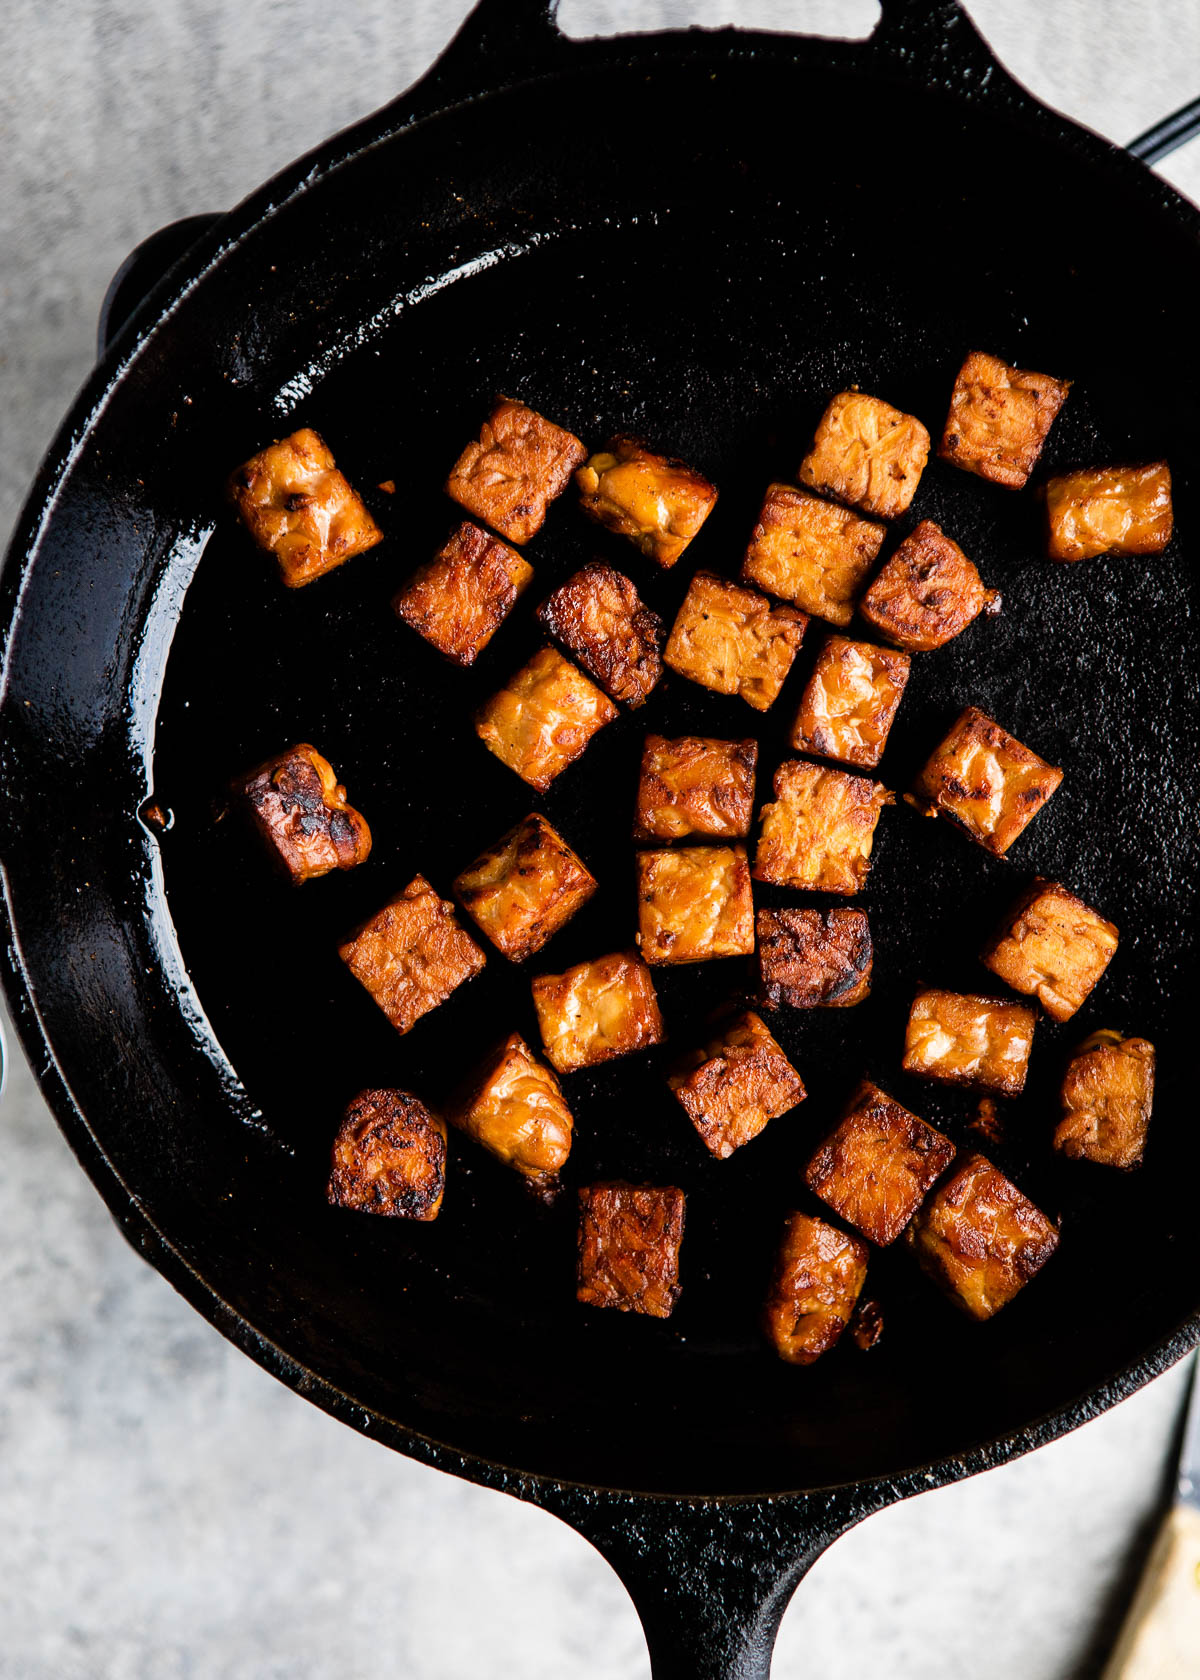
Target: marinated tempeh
299,808
980,1239
543,718
300,508
986,781
599,616
461,598
867,453
962,1039
525,887
813,959
818,1276
877,1164
736,1084
850,702
412,954
597,1011
520,463
819,832
1107,1095
1000,416
389,1157
734,641
515,1108
695,784
629,1239
658,503
1052,946
1109,510
927,592
811,553
694,904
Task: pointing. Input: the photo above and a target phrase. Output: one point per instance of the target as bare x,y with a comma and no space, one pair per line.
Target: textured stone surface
166,1510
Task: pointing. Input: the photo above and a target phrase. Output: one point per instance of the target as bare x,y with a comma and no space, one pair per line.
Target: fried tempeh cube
877,1163
543,718
811,553
980,1239
1107,1094
597,1010
521,462
1053,947
850,701
629,1237
299,507
389,1157
412,954
927,592
819,832
961,1039
999,418
299,807
462,597
814,959
515,1108
694,904
985,780
733,640
525,887
736,1084
599,616
695,784
657,502
867,453
1109,510
819,1273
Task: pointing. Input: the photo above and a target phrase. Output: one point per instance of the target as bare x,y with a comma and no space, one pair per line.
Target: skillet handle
140,273
709,1581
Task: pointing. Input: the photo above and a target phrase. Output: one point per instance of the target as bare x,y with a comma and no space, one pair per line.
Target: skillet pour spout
706,294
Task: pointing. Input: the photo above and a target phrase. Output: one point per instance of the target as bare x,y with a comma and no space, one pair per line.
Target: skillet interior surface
703,253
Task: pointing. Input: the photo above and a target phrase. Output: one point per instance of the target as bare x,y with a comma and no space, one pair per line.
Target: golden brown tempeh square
521,462
543,718
299,807
733,640
818,833
514,1107
695,784
461,598
300,508
818,1276
986,780
980,1239
877,1164
850,702
1109,510
389,1157
740,1080
597,1010
1107,1095
525,887
927,592
694,904
1000,416
961,1039
811,553
1052,946
599,616
629,1239
658,503
867,453
412,954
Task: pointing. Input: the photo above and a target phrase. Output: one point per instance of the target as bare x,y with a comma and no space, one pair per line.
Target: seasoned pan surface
730,244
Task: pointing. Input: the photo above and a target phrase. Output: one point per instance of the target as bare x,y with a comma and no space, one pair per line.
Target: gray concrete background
167,1512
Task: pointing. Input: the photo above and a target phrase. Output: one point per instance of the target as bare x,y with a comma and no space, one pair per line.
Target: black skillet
698,237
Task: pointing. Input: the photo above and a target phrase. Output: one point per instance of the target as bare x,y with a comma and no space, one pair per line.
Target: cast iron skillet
699,237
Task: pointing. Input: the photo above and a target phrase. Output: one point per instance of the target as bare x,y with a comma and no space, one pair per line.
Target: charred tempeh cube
389,1157
599,616
811,553
1107,1094
525,887
1052,946
629,1237
597,1010
695,784
999,419
985,780
850,701
412,954
819,1273
543,718
657,502
521,462
299,807
515,1108
694,904
733,640
736,1084
1109,510
299,507
814,959
462,597
818,833
961,1039
927,592
980,1239
877,1163
867,453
